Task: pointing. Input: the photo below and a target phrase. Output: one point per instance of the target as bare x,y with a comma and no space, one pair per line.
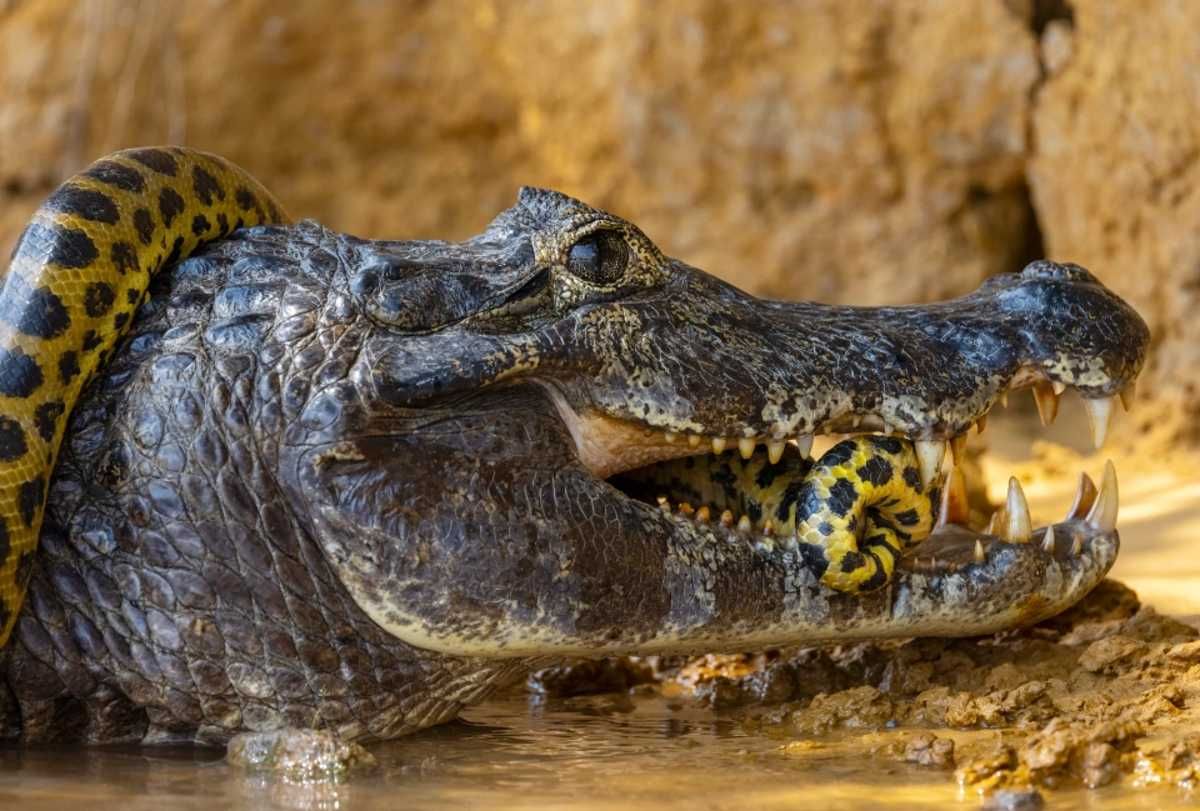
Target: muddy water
594,753
643,751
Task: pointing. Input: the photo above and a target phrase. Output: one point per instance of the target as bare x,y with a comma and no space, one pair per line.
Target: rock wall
869,151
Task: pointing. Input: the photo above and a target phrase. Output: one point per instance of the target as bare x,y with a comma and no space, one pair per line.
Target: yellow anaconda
850,513
78,273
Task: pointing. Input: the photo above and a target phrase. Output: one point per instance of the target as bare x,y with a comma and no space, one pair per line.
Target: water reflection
579,753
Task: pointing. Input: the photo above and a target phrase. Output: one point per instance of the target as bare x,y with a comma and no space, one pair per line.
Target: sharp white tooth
1128,394
958,449
1099,412
804,443
1076,545
933,561
670,436
1048,540
996,523
743,523
718,445
727,518
768,528
775,450
703,514
1059,387
954,509
746,448
930,453
1103,515
686,508
1018,527
884,428
980,556
694,440
1085,497
981,424
1047,401
664,504
1003,400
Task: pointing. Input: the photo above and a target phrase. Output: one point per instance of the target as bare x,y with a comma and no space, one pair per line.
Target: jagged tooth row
704,513
746,445
1046,395
1098,508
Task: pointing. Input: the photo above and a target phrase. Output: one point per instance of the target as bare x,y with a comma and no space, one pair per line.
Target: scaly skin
352,485
77,275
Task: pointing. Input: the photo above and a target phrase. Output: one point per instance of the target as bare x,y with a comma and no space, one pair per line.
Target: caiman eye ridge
96,241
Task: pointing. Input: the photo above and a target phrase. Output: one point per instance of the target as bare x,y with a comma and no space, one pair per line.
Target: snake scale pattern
78,273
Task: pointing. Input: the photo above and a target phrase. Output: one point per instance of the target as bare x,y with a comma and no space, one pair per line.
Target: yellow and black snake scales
77,275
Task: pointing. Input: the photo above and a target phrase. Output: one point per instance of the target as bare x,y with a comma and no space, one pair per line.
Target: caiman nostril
1062,271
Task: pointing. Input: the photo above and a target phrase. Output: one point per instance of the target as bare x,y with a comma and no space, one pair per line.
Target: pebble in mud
927,749
1014,799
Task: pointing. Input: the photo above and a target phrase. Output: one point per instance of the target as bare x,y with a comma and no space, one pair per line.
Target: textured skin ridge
77,275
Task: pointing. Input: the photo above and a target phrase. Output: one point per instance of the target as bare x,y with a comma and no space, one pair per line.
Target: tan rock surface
863,151
1114,172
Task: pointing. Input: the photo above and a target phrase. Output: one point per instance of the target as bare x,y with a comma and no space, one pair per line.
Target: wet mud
1107,693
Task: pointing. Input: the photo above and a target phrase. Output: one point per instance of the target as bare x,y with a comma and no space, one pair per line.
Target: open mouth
877,501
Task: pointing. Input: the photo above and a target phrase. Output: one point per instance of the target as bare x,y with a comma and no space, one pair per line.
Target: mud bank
1107,693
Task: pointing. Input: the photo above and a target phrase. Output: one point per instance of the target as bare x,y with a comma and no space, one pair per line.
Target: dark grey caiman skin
334,483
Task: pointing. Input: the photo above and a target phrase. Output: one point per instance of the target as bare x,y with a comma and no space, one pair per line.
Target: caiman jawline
608,446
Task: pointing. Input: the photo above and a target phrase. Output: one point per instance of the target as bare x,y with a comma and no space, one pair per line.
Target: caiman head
498,466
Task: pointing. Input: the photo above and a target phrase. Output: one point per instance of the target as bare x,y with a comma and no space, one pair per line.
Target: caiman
257,475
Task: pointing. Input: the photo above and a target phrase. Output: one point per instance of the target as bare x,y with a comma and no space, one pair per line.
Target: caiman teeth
981,424
1103,515
746,447
1046,396
1099,411
1128,394
980,555
694,440
954,509
1019,527
1048,540
1085,497
743,523
718,445
1011,522
775,450
804,443
930,453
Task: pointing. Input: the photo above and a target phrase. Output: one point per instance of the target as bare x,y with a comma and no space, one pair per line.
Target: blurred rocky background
868,151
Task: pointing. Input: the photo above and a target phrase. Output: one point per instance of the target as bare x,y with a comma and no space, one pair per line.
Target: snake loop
79,272
851,513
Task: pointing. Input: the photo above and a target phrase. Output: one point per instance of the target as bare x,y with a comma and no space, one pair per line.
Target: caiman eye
599,258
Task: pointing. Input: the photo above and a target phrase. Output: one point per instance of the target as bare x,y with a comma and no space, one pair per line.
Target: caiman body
325,482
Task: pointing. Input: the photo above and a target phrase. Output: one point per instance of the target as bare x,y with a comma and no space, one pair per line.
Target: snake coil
79,272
